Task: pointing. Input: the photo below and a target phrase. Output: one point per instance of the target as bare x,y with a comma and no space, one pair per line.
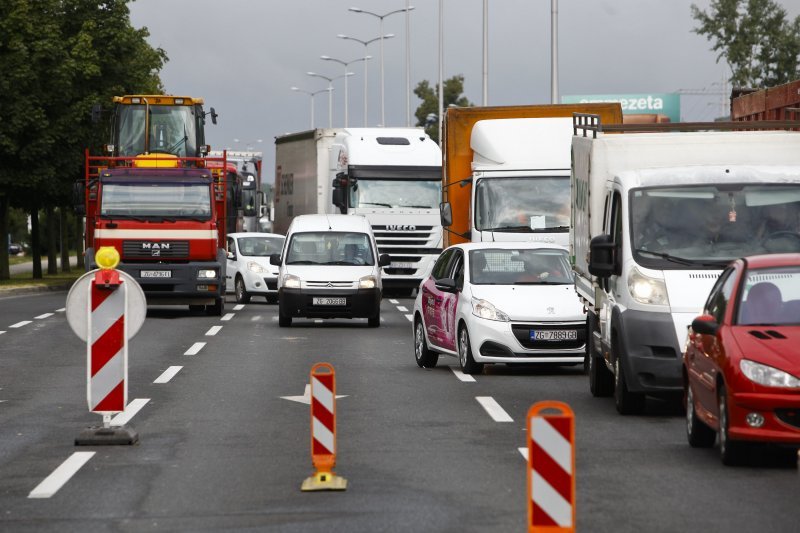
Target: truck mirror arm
467,235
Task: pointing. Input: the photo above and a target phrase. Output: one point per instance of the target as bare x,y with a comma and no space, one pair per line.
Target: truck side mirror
213,116
275,259
338,200
601,256
79,197
339,196
446,214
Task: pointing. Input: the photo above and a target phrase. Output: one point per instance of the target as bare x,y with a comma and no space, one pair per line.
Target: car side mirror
275,259
384,260
601,256
446,285
705,325
446,214
232,256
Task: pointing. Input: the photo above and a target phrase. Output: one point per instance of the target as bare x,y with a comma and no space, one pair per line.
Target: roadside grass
25,280
17,259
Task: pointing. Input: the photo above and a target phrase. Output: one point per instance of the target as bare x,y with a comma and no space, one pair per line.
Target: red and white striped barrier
551,468
323,430
107,348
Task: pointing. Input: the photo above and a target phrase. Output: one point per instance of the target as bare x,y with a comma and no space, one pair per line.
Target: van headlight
767,375
367,282
207,273
291,282
647,290
255,267
487,310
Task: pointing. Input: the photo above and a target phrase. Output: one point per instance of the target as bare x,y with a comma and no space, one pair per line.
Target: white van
329,268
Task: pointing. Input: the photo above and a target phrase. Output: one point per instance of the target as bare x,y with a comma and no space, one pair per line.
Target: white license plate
156,273
401,265
554,335
329,301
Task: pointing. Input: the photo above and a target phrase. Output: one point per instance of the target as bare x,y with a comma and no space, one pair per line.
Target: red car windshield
771,296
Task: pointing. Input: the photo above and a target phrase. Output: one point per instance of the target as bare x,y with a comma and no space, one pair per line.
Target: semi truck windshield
522,203
394,193
172,130
156,200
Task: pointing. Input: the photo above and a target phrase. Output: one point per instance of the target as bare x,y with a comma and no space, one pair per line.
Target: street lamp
330,94
366,43
380,18
312,94
248,146
346,74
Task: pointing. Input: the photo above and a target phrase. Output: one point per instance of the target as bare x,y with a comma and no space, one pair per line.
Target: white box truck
392,176
655,218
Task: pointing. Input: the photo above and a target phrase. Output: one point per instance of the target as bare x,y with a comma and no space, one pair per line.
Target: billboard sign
647,103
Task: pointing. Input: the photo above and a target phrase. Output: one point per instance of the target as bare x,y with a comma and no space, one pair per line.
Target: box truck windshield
394,193
526,204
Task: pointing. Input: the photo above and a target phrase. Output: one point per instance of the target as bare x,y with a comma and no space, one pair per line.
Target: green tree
453,96
755,38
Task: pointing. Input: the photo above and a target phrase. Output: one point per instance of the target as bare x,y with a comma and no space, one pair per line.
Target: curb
31,289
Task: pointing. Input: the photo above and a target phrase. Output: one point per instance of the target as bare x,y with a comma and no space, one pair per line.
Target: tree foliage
755,38
453,96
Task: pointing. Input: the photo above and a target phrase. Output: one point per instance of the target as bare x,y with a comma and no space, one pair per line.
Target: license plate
329,301
554,335
156,273
401,265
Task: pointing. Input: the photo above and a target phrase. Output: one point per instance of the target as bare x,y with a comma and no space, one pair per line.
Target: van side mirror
384,260
705,325
601,256
275,259
446,214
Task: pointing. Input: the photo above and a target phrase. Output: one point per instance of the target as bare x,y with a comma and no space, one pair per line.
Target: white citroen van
329,268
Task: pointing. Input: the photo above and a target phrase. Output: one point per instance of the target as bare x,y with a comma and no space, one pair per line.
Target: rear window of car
330,248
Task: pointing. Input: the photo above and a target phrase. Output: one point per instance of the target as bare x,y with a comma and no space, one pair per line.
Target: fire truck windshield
172,130
172,200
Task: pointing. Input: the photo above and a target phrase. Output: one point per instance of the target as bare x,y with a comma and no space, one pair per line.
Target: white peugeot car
248,271
499,302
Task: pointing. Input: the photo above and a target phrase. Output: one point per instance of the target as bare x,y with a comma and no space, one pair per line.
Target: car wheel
465,359
698,433
217,308
426,358
241,293
730,451
601,381
626,402
375,321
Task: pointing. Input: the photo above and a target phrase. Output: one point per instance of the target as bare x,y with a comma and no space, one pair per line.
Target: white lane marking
168,374
383,319
61,475
402,308
410,318
524,452
317,321
497,413
255,318
466,378
61,310
195,348
1,332
213,330
393,301
20,324
228,317
46,315
553,443
275,319
238,307
130,411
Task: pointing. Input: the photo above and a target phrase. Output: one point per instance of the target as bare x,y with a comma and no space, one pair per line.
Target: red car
742,359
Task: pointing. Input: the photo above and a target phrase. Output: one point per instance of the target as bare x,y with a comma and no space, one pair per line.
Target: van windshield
330,248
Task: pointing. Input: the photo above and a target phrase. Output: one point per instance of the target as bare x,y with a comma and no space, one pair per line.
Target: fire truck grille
151,249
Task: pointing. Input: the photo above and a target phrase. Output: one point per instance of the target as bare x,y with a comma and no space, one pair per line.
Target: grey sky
242,56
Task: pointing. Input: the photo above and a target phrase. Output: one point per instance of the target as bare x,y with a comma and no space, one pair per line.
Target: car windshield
394,193
771,296
529,204
330,248
176,200
711,225
519,266
260,246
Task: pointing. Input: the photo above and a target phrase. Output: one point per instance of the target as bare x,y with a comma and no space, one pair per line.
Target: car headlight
767,375
487,310
367,282
291,282
255,267
647,290
209,273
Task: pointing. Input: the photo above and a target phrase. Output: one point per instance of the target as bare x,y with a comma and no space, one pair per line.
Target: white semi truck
655,218
392,176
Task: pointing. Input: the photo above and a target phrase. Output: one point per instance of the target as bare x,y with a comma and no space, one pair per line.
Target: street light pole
485,52
553,51
380,18
312,95
441,68
346,74
408,65
330,94
366,44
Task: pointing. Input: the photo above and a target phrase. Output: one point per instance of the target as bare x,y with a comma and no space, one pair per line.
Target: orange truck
775,103
161,202
505,171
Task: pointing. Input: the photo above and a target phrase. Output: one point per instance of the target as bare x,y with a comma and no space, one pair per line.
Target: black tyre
601,380
698,433
242,296
375,321
217,308
465,359
424,356
730,451
626,402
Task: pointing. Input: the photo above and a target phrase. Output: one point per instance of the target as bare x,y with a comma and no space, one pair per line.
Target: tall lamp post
330,92
380,18
312,94
346,74
366,44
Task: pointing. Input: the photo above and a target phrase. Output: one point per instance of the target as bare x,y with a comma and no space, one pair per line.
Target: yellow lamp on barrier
107,257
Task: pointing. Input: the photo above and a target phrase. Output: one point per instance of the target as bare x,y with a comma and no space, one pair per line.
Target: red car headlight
767,375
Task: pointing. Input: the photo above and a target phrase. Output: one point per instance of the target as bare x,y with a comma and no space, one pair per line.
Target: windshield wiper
668,257
301,263
375,203
419,206
508,228
348,263
543,283
129,217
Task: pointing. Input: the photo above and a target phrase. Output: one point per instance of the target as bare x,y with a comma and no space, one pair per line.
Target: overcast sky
242,57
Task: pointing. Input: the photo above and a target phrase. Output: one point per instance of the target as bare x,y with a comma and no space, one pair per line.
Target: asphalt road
221,449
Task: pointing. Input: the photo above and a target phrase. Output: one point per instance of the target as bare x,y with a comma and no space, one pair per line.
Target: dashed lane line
20,324
402,308
238,307
410,318
41,317
52,483
491,406
1,332
213,330
524,452
393,301
466,378
228,317
130,411
168,374
61,310
195,348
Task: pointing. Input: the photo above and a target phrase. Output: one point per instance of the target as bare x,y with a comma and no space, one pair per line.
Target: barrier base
101,436
324,481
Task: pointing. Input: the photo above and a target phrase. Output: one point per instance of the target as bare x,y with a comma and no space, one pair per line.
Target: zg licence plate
401,265
156,273
329,301
554,335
